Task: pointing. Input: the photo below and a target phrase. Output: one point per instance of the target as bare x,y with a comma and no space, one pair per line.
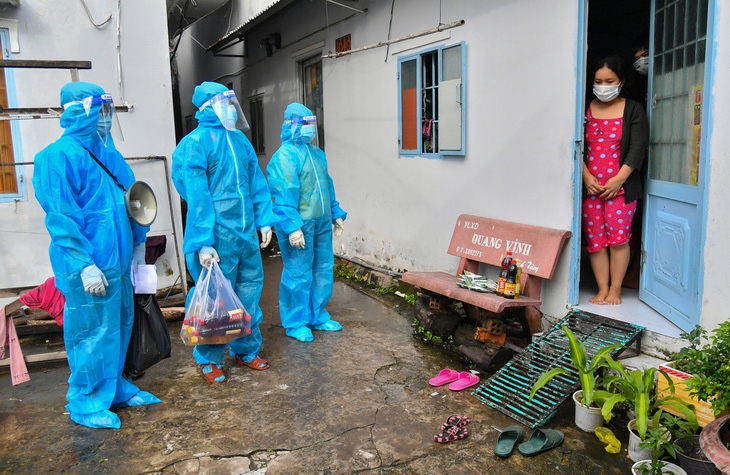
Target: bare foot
613,297
599,298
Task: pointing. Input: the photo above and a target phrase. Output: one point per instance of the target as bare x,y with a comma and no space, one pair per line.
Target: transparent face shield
229,112
305,129
107,121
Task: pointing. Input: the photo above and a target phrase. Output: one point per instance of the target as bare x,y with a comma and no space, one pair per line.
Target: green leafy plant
586,370
385,290
410,298
636,388
656,440
710,366
344,271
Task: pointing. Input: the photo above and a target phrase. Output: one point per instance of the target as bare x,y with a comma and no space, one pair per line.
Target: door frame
577,151
705,142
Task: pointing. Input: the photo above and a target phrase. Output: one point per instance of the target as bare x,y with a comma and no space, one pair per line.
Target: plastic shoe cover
613,446
328,326
300,333
142,398
98,420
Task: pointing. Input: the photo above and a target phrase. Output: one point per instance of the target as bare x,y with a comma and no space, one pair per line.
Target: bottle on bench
510,285
506,260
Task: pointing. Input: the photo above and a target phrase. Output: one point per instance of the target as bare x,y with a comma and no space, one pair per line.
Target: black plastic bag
150,340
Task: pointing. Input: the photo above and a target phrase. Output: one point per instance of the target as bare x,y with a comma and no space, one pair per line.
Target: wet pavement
355,401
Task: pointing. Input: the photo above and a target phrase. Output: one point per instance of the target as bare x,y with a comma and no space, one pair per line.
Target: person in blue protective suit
304,202
93,246
216,171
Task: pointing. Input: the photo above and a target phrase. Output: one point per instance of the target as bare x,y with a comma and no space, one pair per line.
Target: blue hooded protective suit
217,173
88,223
304,198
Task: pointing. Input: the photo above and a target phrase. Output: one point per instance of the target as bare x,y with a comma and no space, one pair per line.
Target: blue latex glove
206,254
138,255
94,281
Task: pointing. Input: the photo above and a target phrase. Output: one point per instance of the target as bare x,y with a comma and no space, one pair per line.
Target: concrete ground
356,401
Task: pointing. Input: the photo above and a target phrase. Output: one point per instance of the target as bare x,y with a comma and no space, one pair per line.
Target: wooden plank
54,356
44,64
14,292
172,314
45,110
40,329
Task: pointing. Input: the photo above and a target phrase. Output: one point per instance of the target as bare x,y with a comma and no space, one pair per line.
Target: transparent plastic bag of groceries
215,315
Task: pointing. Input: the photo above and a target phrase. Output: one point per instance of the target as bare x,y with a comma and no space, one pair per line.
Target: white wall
49,29
520,107
520,96
717,252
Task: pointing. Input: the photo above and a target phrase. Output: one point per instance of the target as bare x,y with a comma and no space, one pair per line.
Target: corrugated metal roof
266,6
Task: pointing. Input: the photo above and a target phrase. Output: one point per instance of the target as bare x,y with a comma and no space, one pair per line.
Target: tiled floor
631,310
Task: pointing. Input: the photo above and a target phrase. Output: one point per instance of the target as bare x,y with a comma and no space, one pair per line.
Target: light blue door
674,206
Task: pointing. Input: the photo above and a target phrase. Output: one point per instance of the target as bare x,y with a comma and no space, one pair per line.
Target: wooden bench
486,240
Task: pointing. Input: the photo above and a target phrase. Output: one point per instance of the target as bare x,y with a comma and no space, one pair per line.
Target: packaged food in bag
215,314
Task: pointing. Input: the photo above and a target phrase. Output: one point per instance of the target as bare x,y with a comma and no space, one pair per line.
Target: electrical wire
88,13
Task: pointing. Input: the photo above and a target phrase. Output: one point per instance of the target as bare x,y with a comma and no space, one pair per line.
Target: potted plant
689,454
687,363
710,366
636,388
715,442
659,447
587,400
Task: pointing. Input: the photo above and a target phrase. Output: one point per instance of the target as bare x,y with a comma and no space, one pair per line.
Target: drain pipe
368,266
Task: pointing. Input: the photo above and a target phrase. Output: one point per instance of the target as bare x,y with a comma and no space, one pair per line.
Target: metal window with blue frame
431,93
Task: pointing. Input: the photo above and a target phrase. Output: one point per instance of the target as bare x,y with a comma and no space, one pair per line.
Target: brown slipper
256,363
213,373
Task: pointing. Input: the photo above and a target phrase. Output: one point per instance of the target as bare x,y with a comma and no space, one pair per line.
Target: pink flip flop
466,379
445,376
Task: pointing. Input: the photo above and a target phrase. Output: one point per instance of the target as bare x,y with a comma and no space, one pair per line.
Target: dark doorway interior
617,27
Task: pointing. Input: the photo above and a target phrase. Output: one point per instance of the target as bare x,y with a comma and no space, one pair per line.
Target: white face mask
606,93
642,65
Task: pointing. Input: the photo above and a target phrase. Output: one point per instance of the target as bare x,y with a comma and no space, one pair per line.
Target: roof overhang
237,35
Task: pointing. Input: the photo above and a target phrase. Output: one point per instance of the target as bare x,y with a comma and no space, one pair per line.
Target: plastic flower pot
636,453
689,460
711,441
586,418
639,467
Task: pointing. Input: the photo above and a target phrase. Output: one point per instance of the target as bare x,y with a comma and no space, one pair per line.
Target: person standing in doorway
216,172
617,135
304,202
79,181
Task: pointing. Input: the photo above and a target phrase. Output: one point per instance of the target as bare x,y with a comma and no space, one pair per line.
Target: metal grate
508,390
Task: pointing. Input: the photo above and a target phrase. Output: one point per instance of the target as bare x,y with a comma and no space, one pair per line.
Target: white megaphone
141,203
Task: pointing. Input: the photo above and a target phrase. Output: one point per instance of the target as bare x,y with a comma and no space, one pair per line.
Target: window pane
8,180
452,63
677,93
692,20
409,105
